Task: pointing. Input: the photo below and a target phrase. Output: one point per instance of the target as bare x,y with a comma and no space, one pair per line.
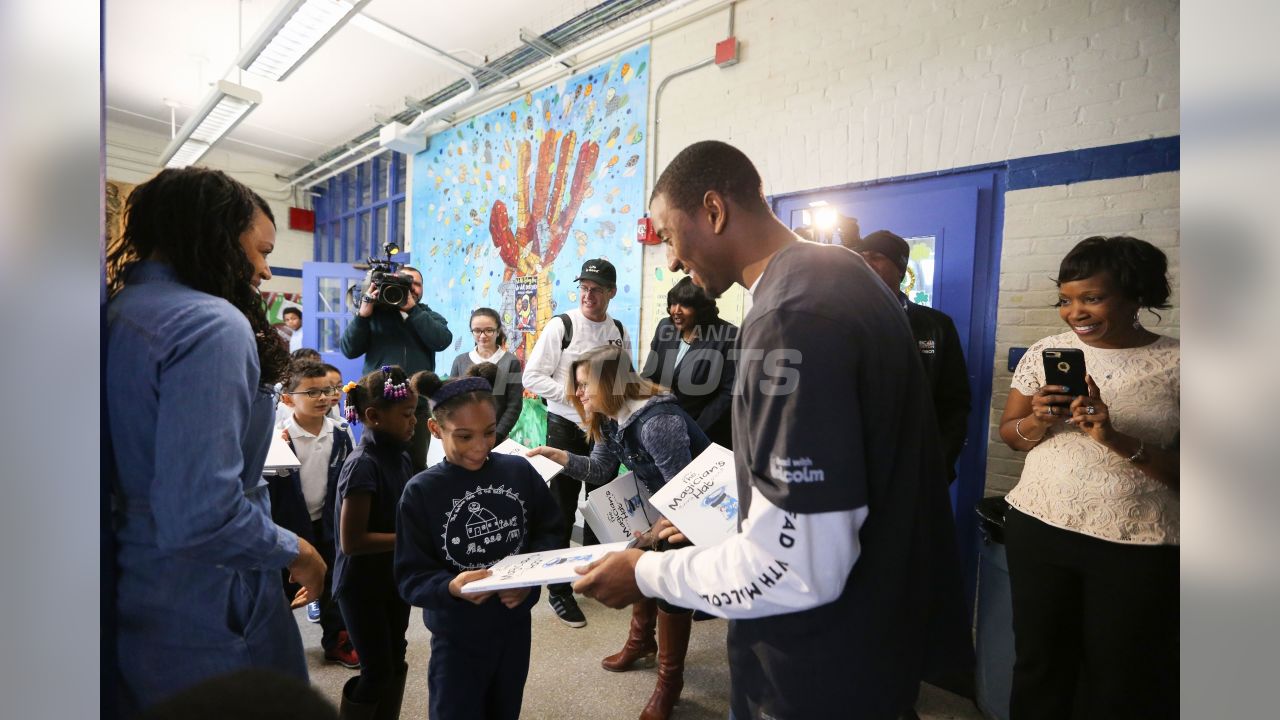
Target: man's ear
717,211
286,398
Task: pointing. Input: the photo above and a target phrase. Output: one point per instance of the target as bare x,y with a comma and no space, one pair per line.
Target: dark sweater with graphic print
452,519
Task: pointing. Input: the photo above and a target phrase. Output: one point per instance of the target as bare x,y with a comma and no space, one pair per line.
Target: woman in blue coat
190,363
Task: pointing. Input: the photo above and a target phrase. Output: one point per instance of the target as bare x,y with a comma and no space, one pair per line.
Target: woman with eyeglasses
508,383
635,422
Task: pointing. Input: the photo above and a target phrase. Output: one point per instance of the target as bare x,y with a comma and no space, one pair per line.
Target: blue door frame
326,312
964,212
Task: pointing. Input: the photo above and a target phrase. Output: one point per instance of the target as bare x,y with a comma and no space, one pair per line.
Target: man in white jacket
546,373
845,525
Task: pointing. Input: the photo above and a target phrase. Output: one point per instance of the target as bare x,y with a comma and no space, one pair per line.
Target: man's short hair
291,311
710,165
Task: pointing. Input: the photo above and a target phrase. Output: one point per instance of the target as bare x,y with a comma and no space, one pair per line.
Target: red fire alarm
644,232
727,52
304,220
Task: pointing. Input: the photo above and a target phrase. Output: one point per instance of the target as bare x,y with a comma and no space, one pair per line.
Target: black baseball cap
887,244
599,271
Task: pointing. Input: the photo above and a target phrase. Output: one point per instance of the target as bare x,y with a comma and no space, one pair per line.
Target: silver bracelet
1140,454
1017,427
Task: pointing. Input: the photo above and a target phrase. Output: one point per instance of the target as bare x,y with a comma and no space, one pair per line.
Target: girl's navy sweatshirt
452,519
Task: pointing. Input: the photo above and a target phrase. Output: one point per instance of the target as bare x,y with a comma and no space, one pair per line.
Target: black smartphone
1065,366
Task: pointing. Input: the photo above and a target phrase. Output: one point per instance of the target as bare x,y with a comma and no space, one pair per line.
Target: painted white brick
1124,108
1105,187
1143,200
1080,135
1033,196
1106,224
1113,72
1088,95
1054,51
1012,282
1073,207
1149,124
1160,219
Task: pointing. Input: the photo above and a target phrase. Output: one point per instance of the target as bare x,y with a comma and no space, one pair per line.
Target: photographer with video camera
393,328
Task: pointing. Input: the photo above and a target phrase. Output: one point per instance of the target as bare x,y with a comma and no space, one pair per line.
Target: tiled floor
566,681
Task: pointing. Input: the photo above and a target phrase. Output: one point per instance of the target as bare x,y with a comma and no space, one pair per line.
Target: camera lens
392,295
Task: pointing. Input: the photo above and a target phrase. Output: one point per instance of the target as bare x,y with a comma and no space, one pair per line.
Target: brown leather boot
640,643
673,643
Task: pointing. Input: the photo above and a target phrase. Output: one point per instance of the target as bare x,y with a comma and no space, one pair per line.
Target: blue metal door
951,223
326,288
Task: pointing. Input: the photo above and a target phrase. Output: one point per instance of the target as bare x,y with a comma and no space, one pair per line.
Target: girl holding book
456,519
635,422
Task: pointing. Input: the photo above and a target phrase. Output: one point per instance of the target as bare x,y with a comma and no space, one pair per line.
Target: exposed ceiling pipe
472,98
344,168
577,50
386,32
379,29
334,160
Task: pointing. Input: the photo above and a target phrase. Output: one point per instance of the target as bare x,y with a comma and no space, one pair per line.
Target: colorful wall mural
507,207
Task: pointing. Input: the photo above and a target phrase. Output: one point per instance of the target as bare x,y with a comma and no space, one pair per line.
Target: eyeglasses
317,393
594,290
484,331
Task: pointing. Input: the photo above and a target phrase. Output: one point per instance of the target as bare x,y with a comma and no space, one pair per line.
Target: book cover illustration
540,568
618,509
702,501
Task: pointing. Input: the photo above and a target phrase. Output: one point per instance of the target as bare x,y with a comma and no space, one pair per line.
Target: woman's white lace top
1073,482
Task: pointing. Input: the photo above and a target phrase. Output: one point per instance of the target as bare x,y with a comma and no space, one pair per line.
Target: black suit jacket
943,360
703,381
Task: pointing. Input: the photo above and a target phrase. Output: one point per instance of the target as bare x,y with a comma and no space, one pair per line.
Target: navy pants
1095,625
566,435
376,621
479,678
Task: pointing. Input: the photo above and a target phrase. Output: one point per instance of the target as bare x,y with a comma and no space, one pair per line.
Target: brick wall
836,91
1040,226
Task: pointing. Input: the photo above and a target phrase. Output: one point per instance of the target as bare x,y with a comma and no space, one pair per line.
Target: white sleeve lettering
781,562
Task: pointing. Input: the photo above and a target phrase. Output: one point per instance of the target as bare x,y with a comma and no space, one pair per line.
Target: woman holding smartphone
1092,530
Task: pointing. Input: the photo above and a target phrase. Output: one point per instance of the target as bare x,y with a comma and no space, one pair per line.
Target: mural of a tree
543,222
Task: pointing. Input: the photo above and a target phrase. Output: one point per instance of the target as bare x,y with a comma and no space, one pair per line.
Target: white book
546,467
702,501
540,568
280,459
616,510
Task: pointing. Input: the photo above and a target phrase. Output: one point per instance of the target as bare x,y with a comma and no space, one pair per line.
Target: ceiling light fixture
221,111
293,33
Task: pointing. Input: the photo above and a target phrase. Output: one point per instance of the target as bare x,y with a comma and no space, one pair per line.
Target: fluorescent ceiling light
225,107
293,33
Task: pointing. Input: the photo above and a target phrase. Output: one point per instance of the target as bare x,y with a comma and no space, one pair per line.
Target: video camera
384,276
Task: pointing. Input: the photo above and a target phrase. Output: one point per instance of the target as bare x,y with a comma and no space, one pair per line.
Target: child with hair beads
369,488
456,519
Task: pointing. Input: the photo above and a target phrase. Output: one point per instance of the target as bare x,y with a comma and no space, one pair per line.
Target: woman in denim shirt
190,362
635,422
